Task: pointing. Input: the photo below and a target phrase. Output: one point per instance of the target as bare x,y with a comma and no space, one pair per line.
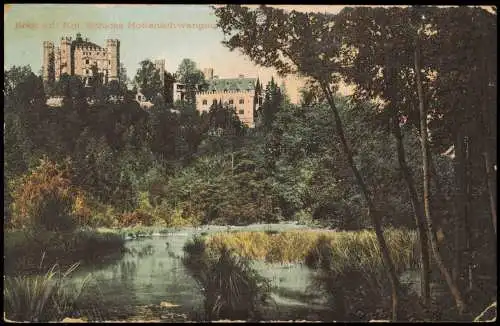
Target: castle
80,57
236,92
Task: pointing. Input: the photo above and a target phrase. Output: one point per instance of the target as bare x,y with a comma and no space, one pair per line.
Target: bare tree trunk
491,190
467,252
374,215
487,128
460,303
425,269
460,203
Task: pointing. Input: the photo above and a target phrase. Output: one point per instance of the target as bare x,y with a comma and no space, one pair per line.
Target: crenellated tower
48,70
113,53
66,58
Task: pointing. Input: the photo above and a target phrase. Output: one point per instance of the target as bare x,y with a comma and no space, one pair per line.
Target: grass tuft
232,288
42,298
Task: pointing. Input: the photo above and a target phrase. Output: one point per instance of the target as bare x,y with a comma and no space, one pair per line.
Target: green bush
103,216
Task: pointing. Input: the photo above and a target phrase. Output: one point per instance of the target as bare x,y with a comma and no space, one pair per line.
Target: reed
42,298
350,249
232,288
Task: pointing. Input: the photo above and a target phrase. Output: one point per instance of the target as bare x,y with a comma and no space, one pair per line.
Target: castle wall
86,57
204,101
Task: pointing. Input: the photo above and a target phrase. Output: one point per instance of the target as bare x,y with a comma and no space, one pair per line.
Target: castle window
87,71
204,102
87,61
242,101
214,101
241,111
231,101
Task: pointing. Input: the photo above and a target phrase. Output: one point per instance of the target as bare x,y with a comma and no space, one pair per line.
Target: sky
26,26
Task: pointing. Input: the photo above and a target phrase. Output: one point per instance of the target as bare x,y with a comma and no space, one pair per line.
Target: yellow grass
350,249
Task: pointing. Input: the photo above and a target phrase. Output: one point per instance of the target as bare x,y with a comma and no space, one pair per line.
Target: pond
151,272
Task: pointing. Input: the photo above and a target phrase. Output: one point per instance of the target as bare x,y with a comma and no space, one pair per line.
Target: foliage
271,104
192,77
148,80
210,190
42,298
136,218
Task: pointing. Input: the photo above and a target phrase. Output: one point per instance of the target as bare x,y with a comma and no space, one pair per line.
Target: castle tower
160,64
48,62
113,54
66,62
57,63
209,73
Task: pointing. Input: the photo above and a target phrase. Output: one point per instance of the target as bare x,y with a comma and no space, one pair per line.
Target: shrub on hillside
137,217
45,198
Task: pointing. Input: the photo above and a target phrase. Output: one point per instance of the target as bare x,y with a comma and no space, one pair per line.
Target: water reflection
147,274
151,272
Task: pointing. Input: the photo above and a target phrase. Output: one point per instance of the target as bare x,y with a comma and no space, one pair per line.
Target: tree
303,42
169,87
148,80
375,60
257,99
13,77
452,96
271,103
192,77
24,120
462,118
425,158
225,128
